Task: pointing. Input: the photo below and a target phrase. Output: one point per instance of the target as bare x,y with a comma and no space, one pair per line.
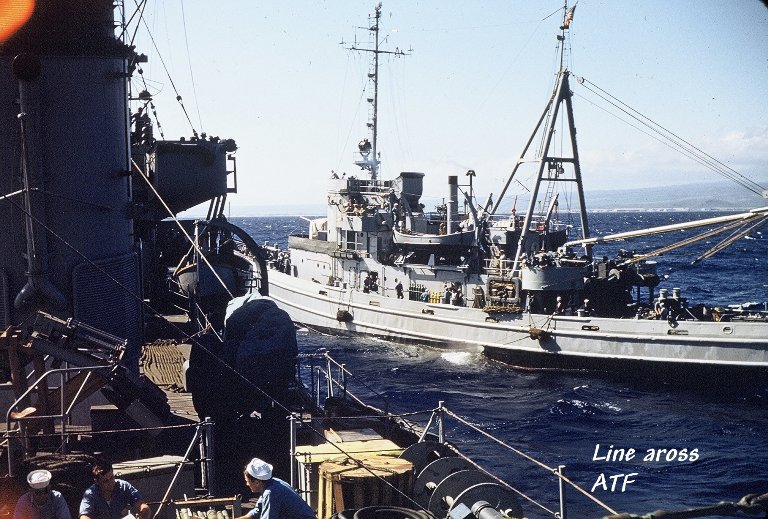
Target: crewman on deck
277,499
663,311
110,498
41,502
447,294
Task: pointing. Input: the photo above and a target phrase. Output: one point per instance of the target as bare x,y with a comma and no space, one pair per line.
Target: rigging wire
168,73
552,14
660,139
140,12
338,121
396,119
189,62
85,258
363,90
181,227
675,141
485,98
402,99
101,269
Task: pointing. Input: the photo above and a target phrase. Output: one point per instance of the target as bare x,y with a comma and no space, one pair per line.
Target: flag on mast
568,17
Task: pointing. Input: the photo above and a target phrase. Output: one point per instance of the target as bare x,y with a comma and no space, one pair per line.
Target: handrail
339,381
437,420
63,415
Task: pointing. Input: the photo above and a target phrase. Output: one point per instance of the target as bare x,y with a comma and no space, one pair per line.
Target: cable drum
486,493
422,454
469,487
434,473
441,500
382,512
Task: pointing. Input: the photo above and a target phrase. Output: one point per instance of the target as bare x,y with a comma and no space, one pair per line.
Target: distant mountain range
711,196
703,197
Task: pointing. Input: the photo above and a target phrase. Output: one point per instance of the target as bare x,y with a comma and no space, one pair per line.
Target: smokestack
453,204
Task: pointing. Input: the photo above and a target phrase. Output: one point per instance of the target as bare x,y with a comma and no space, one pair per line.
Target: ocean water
692,447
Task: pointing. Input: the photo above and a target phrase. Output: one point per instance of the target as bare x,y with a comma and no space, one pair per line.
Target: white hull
567,340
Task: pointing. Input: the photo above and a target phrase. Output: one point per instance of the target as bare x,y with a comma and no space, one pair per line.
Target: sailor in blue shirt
277,500
110,498
41,502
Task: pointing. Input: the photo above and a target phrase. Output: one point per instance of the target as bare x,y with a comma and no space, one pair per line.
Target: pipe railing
336,377
63,415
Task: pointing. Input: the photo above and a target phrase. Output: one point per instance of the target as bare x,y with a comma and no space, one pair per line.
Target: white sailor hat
38,479
259,469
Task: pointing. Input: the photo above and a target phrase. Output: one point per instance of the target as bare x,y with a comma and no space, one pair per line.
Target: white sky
272,75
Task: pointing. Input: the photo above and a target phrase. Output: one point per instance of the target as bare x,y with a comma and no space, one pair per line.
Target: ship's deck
163,363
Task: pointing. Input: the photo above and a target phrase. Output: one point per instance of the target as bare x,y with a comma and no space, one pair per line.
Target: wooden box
367,480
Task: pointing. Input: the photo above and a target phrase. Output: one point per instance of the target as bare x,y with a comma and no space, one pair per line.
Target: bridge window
351,240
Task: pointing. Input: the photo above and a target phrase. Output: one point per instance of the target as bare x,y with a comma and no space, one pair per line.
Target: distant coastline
716,196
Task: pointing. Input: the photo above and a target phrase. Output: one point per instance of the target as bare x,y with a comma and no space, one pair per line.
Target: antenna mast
567,19
372,163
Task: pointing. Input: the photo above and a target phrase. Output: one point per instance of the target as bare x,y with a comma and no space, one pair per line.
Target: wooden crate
310,457
368,480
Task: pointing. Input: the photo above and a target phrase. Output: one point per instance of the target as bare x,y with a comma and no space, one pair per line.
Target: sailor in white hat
277,499
41,502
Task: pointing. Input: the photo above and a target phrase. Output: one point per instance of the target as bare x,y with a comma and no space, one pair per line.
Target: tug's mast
369,157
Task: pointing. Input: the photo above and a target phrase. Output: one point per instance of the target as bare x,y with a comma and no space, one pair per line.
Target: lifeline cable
532,460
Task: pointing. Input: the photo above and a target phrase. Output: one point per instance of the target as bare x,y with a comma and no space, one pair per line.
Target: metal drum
423,453
468,487
428,479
